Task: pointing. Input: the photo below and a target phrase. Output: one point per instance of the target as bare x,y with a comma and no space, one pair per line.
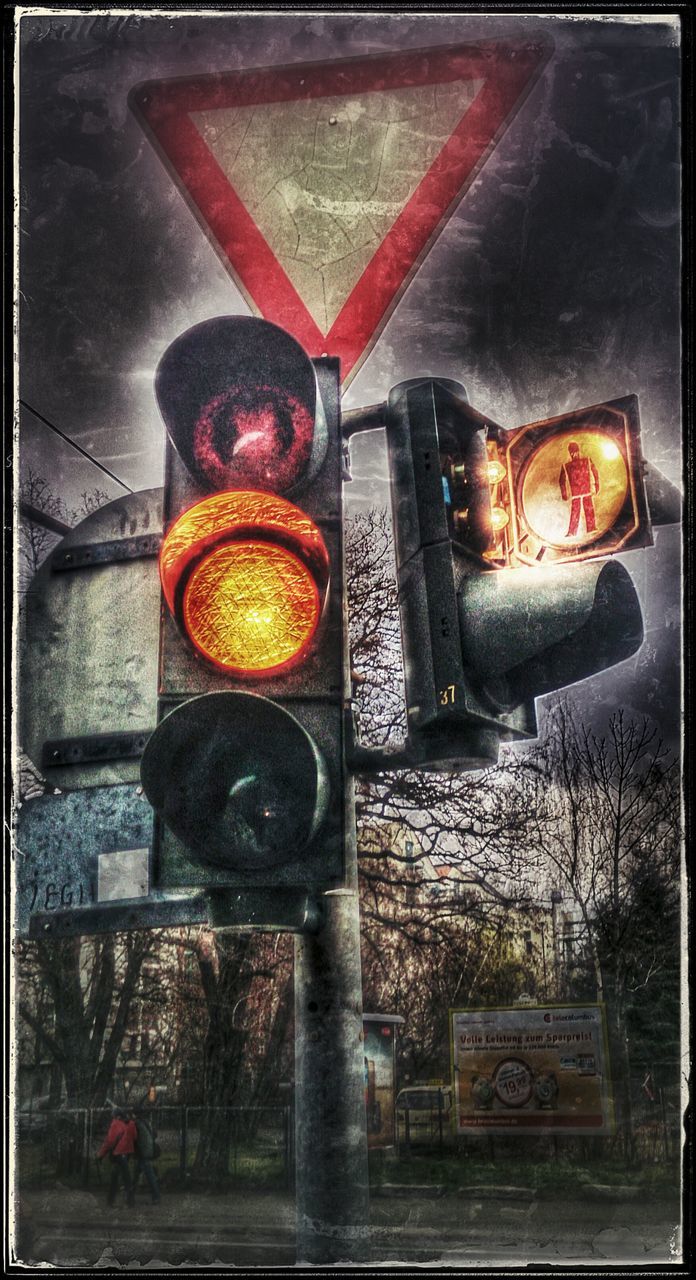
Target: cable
78,447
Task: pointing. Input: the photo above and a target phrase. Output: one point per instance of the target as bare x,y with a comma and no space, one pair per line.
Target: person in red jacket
119,1145
579,482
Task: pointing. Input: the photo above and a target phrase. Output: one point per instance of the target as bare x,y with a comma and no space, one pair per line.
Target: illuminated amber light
251,607
496,471
499,518
245,574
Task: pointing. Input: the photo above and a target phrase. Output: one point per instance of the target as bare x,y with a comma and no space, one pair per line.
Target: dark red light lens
254,436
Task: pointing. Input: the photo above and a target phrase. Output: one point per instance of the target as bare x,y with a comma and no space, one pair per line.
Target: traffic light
246,767
482,639
575,484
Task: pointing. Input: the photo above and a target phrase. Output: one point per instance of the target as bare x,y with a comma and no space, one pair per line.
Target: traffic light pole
332,1185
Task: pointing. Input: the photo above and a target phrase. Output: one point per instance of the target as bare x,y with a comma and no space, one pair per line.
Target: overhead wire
74,445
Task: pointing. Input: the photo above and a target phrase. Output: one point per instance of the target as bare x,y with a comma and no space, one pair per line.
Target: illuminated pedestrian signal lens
245,575
574,487
251,607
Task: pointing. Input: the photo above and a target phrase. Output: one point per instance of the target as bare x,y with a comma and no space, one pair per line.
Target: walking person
145,1154
119,1145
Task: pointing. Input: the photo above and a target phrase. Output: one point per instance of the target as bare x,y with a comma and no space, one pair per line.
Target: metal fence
252,1144
255,1145
424,1121
656,1125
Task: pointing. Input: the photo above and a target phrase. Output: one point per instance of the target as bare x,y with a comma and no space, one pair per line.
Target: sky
554,284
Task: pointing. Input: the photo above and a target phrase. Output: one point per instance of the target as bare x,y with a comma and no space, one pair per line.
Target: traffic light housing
575,484
481,639
245,770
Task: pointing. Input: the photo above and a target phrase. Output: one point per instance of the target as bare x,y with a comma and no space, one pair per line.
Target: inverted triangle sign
323,185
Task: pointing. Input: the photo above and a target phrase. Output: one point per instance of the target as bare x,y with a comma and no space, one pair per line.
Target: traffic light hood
240,402
526,632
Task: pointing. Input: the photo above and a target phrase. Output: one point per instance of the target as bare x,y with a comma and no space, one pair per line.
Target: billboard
532,1069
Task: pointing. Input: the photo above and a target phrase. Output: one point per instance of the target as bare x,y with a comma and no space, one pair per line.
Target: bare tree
246,982
443,874
375,635
36,540
430,946
605,822
469,821
88,991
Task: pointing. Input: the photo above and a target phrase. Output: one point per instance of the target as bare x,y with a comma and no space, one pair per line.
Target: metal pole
183,1143
543,960
665,1125
332,1187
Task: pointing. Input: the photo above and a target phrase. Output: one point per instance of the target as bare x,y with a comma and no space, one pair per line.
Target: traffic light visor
237,779
245,575
526,632
239,398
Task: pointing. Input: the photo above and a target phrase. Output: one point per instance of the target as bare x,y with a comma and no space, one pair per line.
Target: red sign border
508,69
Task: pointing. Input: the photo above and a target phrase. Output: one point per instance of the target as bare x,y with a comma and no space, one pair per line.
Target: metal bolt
333,119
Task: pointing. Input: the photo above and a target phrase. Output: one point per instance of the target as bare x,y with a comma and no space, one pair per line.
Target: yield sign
323,185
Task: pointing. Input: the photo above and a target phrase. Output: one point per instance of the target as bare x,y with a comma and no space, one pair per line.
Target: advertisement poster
532,1069
380,1045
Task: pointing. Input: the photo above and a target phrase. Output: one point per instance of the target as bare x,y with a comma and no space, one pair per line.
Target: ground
466,1228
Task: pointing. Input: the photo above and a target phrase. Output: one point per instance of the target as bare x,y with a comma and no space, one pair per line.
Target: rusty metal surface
88,657
82,865
106,552
93,749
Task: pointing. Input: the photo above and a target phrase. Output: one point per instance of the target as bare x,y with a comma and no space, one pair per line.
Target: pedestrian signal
574,485
483,632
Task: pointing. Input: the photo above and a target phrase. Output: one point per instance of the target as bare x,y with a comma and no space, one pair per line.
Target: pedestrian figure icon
579,482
